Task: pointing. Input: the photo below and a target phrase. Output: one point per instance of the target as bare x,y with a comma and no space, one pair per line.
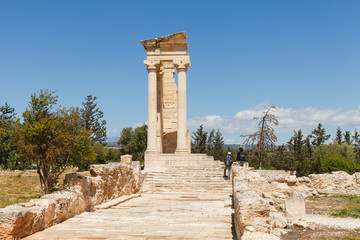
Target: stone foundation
80,194
269,203
178,160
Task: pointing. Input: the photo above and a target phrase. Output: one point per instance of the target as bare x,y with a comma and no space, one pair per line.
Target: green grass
347,238
352,209
336,205
355,213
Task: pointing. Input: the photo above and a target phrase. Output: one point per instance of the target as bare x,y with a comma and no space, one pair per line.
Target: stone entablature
174,44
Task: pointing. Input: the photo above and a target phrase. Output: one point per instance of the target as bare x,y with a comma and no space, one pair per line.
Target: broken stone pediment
170,44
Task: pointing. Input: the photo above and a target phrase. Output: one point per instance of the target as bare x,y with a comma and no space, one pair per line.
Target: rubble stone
268,203
80,194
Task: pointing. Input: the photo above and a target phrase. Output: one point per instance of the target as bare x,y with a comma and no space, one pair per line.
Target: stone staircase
186,203
208,179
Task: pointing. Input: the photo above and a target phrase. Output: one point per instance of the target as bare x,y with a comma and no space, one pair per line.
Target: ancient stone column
152,105
182,126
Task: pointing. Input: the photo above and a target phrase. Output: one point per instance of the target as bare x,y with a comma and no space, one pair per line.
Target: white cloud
262,106
113,132
307,119
138,124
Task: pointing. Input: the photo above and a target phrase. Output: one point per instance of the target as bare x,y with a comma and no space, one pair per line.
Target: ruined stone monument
167,129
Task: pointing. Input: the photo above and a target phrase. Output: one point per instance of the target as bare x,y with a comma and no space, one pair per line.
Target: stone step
177,203
208,187
189,180
170,215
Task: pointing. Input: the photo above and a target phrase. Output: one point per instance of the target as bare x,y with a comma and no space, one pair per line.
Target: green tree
85,151
113,155
301,149
319,135
9,157
7,112
347,137
296,145
308,147
335,157
210,143
356,144
199,140
125,140
49,137
218,145
282,159
338,136
134,142
91,117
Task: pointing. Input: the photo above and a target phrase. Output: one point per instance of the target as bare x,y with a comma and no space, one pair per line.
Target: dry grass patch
323,234
18,187
338,205
22,186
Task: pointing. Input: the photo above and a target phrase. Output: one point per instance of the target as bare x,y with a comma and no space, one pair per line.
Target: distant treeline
304,154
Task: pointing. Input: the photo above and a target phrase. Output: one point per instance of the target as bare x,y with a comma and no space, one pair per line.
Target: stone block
258,235
126,159
278,220
80,193
295,207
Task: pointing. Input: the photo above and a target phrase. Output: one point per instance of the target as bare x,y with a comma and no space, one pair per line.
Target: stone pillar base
182,151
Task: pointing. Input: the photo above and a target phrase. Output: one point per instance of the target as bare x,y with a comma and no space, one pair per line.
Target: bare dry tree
264,137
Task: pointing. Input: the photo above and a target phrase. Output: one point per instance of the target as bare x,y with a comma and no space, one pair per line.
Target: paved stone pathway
186,204
334,222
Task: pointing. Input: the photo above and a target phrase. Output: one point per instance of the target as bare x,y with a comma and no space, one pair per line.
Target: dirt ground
323,234
330,204
325,206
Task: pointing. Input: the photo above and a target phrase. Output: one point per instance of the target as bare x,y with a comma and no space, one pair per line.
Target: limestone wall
80,194
269,203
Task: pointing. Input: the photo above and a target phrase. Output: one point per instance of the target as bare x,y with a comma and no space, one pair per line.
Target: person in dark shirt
240,158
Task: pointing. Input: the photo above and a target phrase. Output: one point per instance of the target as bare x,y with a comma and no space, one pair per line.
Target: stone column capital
152,64
182,65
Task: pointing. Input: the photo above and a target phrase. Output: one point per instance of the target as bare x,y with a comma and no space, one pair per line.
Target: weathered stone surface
20,220
80,194
258,235
126,159
335,183
273,201
278,220
300,225
187,203
295,207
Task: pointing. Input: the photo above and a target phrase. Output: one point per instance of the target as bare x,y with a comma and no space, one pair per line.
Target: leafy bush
330,163
334,157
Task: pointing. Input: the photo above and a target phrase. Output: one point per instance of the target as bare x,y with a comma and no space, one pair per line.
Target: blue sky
302,56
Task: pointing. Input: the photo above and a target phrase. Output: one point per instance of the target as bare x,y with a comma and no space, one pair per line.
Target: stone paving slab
188,203
150,216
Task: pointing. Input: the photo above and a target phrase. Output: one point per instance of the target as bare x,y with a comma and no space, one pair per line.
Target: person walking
228,161
240,158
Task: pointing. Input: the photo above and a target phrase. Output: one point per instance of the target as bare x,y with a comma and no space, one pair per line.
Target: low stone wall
269,203
80,194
